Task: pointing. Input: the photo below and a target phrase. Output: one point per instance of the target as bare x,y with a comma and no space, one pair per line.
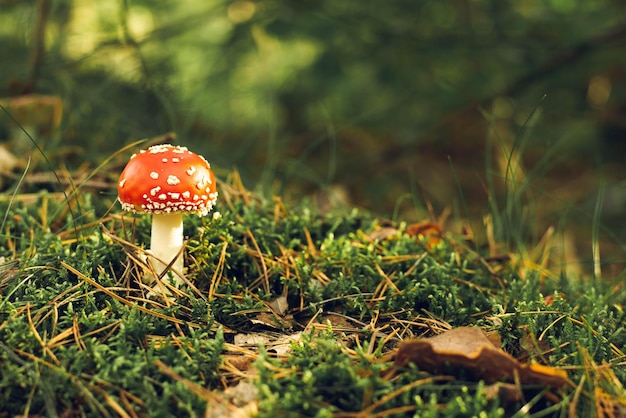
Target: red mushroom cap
167,179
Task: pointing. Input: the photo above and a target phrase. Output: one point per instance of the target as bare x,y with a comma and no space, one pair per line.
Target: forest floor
293,312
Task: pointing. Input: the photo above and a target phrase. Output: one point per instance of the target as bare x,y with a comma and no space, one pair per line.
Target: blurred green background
388,105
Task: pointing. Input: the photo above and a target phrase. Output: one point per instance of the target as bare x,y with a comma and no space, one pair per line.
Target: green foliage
320,378
307,95
79,334
301,88
67,346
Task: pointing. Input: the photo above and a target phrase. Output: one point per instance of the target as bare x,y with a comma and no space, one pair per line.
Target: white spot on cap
154,175
173,180
122,182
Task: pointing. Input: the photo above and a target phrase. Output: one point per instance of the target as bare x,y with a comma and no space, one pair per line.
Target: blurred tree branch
39,41
468,119
567,57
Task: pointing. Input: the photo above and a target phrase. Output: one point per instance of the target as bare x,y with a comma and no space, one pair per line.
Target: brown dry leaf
242,394
531,347
549,299
238,361
608,405
267,319
279,305
471,349
253,339
8,161
281,345
337,322
231,411
506,392
426,229
382,233
40,112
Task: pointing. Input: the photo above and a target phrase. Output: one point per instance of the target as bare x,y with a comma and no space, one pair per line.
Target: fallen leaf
426,230
279,305
531,347
506,392
241,394
8,161
35,111
238,361
284,344
269,320
253,339
608,405
549,299
383,233
281,345
469,348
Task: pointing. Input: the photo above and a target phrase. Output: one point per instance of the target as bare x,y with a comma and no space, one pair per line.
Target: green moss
78,333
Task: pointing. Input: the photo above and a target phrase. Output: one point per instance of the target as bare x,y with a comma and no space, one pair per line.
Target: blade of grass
12,199
514,203
462,196
520,144
595,240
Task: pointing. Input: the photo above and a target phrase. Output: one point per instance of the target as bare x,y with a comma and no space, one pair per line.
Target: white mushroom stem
166,243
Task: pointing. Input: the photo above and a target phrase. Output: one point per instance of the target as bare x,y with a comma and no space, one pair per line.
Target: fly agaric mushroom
167,181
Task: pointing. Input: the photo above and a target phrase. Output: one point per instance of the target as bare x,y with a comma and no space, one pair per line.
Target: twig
39,41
